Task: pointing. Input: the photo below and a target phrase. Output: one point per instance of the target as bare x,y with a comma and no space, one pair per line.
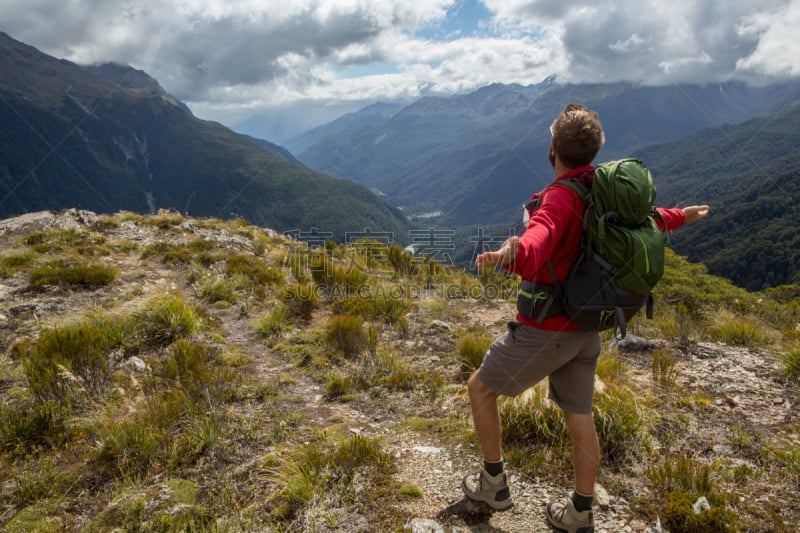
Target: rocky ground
746,405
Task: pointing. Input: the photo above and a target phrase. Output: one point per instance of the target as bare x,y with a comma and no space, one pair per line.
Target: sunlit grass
472,348
343,471
72,274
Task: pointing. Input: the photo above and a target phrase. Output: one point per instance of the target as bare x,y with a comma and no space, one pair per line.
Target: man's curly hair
577,135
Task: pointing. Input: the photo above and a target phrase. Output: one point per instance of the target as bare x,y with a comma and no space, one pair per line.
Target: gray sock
493,468
581,502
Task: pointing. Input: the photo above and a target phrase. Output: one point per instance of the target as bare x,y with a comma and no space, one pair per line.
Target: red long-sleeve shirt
554,232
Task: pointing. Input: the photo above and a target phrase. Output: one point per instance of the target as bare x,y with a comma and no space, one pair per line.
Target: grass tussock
301,300
67,358
535,431
740,331
377,303
788,455
216,289
687,498
663,370
13,263
274,322
381,369
346,333
328,473
163,320
33,425
472,348
335,279
791,361
81,243
73,274
253,269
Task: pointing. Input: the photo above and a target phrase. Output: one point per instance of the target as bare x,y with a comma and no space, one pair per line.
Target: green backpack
621,256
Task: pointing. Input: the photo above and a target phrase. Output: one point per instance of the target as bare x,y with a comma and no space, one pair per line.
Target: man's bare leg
586,450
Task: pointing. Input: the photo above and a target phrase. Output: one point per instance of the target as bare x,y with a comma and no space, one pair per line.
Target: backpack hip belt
538,301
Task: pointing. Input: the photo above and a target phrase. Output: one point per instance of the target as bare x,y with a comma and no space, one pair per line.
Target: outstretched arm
503,256
695,212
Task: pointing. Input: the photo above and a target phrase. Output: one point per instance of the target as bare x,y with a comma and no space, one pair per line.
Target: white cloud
778,49
655,41
229,57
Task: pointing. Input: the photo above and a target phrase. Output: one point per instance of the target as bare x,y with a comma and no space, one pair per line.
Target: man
555,347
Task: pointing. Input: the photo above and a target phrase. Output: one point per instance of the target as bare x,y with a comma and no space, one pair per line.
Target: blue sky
464,19
302,61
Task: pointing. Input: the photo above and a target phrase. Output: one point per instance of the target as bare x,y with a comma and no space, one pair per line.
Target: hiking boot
492,490
564,517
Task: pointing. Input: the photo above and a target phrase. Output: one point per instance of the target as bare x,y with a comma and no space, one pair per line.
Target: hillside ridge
287,388
108,138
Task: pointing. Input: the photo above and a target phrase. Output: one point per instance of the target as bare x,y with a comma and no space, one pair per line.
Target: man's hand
695,212
503,256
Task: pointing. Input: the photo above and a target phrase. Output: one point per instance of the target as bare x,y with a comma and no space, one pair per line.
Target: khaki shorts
525,355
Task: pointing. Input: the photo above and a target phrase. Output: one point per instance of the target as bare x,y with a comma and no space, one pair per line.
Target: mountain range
473,160
477,157
108,138
750,174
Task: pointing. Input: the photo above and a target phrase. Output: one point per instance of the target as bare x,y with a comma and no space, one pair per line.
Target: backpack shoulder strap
580,185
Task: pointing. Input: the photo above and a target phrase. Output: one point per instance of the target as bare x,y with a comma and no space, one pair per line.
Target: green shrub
379,304
472,349
331,470
677,485
739,331
254,269
67,358
11,264
402,262
791,360
663,369
274,322
163,320
72,274
39,481
691,285
346,333
32,425
533,419
301,300
620,423
212,290
191,366
337,280
781,310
